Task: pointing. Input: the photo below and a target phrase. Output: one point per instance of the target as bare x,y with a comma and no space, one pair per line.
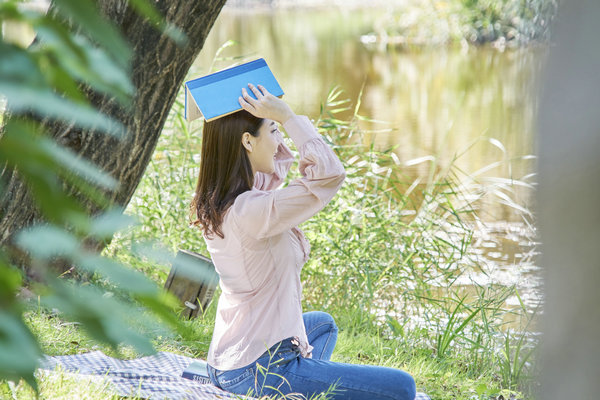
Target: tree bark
159,68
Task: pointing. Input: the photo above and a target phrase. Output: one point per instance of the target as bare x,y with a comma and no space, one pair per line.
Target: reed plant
397,251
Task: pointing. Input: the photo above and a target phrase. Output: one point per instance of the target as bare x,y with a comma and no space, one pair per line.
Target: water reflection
437,101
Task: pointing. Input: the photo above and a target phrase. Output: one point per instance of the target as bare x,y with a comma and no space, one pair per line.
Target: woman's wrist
300,130
285,117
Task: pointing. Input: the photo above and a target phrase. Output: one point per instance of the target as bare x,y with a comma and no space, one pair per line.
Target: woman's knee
405,386
316,318
393,383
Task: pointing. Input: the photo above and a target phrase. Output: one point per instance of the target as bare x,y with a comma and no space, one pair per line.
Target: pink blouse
260,258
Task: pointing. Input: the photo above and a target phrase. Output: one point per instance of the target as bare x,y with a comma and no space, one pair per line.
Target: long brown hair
225,170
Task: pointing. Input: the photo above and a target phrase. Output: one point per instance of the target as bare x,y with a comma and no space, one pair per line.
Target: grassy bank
387,258
503,22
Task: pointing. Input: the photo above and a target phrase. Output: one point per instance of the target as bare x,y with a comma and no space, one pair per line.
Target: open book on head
216,95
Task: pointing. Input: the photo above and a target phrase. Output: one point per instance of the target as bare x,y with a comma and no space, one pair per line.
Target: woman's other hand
265,105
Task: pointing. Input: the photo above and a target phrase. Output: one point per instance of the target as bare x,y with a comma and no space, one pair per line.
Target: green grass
386,255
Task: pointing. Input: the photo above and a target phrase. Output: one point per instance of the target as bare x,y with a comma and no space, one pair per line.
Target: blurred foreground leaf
47,84
19,350
148,10
86,15
26,90
104,318
46,162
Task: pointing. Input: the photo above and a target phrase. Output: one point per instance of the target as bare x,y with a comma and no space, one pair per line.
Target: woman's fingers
247,97
244,101
257,93
265,105
249,103
263,90
249,100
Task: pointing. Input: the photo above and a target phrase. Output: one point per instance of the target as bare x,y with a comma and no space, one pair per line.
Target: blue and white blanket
157,376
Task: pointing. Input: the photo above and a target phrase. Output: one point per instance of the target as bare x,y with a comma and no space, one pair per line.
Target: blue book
197,371
216,95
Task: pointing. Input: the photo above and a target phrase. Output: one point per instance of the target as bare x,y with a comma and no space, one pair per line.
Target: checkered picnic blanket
157,376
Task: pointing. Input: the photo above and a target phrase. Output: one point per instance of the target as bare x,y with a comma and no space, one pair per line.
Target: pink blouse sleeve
267,213
283,161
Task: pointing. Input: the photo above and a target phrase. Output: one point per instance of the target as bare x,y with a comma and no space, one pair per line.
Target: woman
262,342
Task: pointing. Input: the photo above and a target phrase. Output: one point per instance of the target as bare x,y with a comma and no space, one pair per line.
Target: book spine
195,377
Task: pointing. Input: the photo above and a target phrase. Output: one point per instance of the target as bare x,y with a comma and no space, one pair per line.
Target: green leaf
22,148
75,164
9,10
24,97
88,190
54,203
19,351
481,389
104,318
17,67
106,224
176,34
153,251
194,270
395,326
87,16
186,266
25,88
62,82
83,61
163,306
47,241
126,279
148,10
10,282
114,76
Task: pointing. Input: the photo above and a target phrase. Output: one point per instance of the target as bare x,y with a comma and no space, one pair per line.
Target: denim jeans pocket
228,380
280,354
283,356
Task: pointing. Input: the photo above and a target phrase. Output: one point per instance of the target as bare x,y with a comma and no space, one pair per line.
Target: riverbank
310,4
414,23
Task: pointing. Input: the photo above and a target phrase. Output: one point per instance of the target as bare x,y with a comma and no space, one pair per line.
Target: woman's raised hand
265,105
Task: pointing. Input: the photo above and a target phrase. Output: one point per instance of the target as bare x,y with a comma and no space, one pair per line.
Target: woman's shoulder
249,200
250,209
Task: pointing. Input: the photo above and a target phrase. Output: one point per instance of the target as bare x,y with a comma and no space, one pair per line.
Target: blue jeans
281,371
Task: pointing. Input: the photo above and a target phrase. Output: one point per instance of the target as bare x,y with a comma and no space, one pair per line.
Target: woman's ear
247,141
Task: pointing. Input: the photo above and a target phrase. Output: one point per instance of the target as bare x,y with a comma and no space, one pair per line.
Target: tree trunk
159,68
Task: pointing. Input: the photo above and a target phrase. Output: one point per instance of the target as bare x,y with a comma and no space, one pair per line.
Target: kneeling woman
262,342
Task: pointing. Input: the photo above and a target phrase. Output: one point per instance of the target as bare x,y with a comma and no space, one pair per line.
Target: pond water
440,101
